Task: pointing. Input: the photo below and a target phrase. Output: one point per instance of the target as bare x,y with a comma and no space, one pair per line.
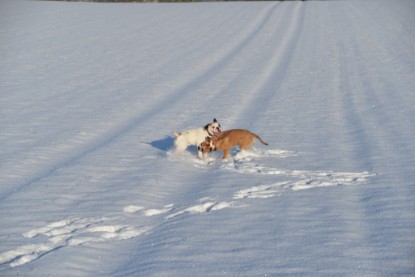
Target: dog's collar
207,130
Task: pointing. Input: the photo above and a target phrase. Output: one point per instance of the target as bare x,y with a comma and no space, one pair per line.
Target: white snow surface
90,95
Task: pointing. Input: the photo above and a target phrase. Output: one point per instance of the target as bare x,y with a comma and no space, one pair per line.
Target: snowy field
90,95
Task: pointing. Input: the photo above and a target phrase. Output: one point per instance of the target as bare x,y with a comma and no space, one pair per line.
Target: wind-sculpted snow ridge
78,231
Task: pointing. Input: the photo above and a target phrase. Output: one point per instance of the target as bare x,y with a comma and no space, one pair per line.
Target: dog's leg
180,145
225,153
200,154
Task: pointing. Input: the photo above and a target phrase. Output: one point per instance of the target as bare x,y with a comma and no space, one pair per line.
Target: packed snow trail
90,96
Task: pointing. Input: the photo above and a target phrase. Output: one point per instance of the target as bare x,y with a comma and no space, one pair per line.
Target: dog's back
189,137
243,138
237,136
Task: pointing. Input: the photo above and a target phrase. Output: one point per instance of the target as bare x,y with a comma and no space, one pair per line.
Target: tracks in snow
70,232
282,46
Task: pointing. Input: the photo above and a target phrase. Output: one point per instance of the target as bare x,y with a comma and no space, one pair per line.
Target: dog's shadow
167,143
164,144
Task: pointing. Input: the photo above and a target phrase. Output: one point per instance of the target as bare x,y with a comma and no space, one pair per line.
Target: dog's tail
176,134
263,142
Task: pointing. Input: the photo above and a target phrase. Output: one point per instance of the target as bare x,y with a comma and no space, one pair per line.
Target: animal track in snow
202,208
165,209
262,191
132,208
67,232
245,163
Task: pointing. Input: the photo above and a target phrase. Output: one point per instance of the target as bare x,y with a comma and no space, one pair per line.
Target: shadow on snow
167,143
163,144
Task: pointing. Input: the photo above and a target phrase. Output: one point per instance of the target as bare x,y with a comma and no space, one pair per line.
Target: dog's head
207,146
213,128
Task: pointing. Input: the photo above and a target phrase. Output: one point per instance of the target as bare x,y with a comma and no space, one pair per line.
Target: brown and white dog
227,139
196,136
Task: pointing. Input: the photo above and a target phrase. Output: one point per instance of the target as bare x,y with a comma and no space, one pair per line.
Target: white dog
196,137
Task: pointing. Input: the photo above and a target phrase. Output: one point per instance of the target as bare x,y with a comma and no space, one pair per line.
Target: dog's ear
214,120
206,127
